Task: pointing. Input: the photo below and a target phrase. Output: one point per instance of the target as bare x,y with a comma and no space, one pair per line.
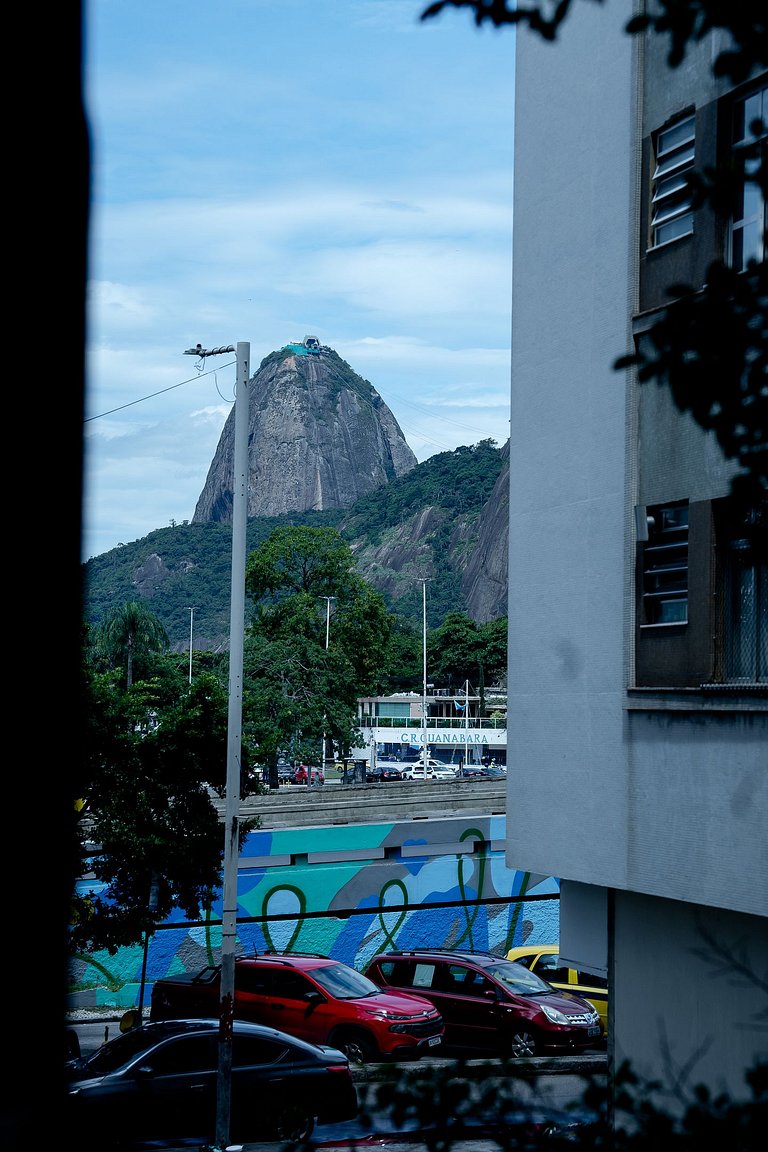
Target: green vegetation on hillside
459,482
188,565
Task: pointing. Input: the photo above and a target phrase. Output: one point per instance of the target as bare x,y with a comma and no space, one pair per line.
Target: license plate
434,1041
593,1031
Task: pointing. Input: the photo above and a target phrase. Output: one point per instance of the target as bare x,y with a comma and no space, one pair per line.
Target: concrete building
638,607
455,726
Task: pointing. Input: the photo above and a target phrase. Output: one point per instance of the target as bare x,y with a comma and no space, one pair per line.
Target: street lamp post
466,723
424,683
234,734
327,638
191,619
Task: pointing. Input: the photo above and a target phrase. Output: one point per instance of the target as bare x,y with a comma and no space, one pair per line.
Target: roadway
297,806
547,1084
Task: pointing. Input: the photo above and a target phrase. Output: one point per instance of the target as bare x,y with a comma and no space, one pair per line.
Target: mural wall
347,892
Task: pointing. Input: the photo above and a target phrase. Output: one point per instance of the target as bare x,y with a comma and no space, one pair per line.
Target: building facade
638,611
456,726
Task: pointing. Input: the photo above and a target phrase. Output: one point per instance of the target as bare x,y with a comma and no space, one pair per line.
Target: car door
592,988
176,1089
466,1000
287,1000
264,1076
470,1007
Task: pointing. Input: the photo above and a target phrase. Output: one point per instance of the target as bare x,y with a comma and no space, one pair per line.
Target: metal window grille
743,617
665,565
671,200
750,147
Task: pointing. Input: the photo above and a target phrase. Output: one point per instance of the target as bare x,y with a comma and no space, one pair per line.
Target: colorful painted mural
347,892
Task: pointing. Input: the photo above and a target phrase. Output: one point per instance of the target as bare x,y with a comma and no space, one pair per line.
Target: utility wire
151,395
401,399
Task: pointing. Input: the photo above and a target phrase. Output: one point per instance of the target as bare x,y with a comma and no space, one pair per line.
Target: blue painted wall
340,891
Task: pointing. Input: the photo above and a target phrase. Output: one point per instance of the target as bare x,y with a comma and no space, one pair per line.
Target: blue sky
265,169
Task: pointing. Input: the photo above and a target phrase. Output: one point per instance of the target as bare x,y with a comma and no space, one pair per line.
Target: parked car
382,773
490,1004
285,771
321,1000
480,772
470,772
156,1084
306,774
544,960
435,770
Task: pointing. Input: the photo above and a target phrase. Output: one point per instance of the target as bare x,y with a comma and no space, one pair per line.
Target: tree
142,796
455,651
404,657
130,631
460,650
710,345
315,561
452,1104
297,689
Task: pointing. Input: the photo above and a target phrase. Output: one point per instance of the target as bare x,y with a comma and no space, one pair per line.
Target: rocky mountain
484,581
445,519
319,437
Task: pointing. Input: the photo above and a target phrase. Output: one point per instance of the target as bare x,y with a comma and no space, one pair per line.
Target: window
702,584
424,976
549,968
671,202
186,1054
665,565
250,1050
285,983
750,148
742,627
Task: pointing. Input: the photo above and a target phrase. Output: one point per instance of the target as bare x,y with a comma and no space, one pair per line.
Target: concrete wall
690,1007
572,206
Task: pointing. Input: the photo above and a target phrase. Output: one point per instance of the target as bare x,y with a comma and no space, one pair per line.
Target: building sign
447,736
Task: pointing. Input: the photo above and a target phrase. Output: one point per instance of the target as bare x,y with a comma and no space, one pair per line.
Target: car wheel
293,1122
522,1044
356,1046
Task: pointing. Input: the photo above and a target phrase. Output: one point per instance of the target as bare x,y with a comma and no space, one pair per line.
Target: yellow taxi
544,960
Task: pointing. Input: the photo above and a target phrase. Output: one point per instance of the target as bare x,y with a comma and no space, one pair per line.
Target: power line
151,395
401,400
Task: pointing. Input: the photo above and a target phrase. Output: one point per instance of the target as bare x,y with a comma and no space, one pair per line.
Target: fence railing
487,723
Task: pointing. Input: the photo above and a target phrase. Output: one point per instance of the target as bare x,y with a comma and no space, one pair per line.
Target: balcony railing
434,723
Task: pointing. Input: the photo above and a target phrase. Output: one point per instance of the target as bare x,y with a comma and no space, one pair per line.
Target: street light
191,618
234,733
424,686
327,637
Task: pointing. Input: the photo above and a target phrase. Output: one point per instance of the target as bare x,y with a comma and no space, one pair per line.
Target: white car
435,770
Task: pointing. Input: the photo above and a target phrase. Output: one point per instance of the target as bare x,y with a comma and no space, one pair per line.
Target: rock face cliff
319,437
323,443
484,582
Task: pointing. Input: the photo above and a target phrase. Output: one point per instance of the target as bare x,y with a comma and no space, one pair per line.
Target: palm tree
128,630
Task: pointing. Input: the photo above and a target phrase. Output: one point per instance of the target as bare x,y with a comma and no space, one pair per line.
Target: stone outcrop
484,582
319,437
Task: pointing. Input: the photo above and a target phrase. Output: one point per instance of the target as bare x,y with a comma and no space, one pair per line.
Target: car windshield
343,982
518,979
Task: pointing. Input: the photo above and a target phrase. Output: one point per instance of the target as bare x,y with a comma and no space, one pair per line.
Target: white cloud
287,168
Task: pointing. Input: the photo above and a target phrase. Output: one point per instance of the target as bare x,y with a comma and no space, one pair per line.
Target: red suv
490,1004
319,1000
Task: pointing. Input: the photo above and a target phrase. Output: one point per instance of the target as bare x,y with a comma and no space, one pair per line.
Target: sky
263,170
